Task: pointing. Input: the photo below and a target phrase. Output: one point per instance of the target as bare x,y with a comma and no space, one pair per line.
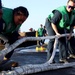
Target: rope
54,51
20,41
28,69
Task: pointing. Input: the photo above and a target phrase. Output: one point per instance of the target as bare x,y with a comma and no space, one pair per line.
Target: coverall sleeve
56,18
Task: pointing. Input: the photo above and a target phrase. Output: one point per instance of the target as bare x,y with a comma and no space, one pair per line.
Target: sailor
13,19
61,21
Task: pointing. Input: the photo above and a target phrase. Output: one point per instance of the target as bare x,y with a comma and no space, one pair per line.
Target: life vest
40,32
10,27
65,21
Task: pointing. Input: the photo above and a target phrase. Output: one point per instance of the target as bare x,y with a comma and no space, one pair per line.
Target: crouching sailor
10,22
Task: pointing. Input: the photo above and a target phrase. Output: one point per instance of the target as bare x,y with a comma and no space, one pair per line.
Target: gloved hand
3,39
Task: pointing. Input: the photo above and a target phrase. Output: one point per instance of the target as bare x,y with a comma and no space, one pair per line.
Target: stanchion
38,47
37,36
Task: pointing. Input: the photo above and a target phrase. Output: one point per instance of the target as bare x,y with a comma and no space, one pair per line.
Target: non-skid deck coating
29,57
33,57
25,56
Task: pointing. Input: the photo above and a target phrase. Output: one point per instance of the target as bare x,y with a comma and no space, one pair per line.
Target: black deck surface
30,56
38,58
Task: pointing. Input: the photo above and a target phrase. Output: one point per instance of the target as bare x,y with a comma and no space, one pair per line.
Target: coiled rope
28,69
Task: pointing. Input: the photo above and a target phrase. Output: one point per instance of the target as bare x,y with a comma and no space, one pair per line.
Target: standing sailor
61,20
